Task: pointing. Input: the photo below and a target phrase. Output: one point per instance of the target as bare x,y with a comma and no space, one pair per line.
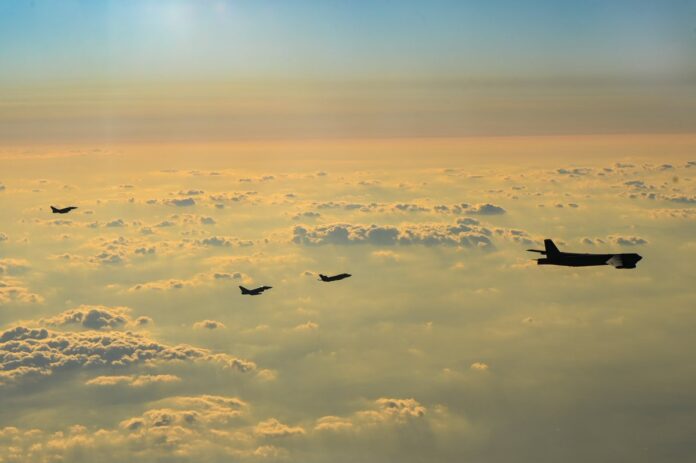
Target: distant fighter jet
254,292
340,276
65,210
556,257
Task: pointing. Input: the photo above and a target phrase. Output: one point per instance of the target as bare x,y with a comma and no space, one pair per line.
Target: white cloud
274,428
462,233
92,317
132,381
32,353
12,290
209,324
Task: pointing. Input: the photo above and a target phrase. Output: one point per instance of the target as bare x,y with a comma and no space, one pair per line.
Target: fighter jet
340,276
65,210
569,259
254,292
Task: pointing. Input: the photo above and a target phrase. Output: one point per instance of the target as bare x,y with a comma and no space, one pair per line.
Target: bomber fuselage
585,260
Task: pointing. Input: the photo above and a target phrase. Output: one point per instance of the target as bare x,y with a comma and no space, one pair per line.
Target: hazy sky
147,70
49,40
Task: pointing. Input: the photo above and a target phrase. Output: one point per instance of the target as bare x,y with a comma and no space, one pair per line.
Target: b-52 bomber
571,259
255,291
340,276
65,210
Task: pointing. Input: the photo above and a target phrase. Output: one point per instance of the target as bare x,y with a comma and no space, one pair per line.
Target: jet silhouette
570,259
65,210
340,276
254,292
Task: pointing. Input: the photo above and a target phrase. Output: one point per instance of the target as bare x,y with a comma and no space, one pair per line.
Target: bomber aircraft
571,259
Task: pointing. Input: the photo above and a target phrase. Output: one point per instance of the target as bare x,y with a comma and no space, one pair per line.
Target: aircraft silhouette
254,292
570,259
65,210
340,276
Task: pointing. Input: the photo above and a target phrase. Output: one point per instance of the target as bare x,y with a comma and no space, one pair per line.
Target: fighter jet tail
323,277
244,290
54,209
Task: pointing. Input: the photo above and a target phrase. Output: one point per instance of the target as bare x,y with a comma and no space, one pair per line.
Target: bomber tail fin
551,248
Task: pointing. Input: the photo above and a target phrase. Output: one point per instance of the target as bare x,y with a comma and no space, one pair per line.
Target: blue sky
84,40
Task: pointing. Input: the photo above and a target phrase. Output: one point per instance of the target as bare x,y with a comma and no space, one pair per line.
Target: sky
143,70
422,147
343,39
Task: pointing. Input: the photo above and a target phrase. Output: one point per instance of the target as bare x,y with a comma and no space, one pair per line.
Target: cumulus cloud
628,240
462,233
162,285
208,324
10,266
187,411
681,199
200,428
400,408
409,207
592,241
332,423
274,428
107,258
234,197
32,353
306,215
486,209
198,280
191,192
92,317
479,366
383,411
216,241
517,236
227,276
142,321
578,171
348,206
117,223
673,213
636,184
13,291
309,326
132,381
184,202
